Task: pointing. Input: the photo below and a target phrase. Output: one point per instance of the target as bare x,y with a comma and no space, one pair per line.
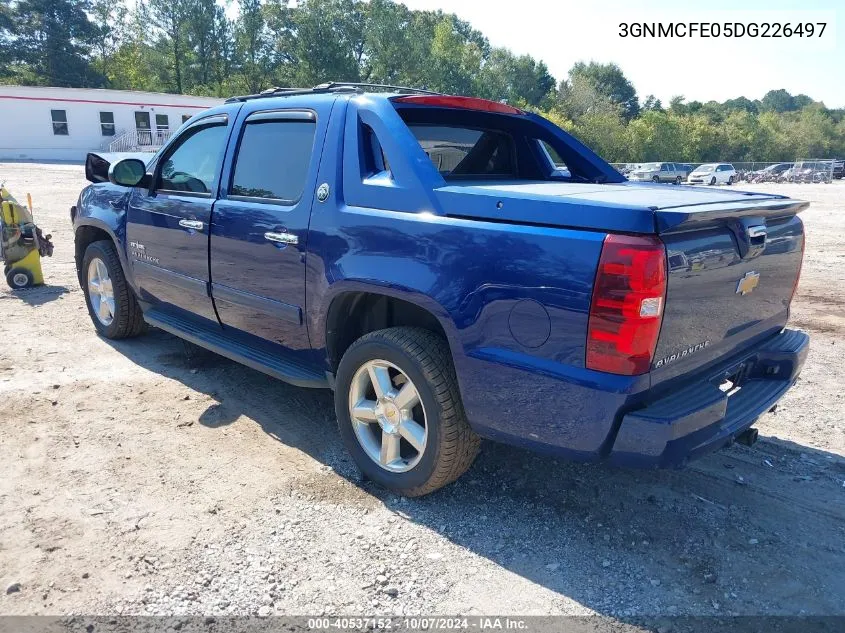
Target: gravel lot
145,477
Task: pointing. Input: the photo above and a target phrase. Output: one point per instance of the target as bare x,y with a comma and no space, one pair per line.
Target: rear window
467,152
475,144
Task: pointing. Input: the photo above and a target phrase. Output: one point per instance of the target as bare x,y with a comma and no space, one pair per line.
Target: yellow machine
21,243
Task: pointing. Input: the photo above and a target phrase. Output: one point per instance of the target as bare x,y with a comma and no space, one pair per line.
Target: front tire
400,413
712,181
111,303
655,179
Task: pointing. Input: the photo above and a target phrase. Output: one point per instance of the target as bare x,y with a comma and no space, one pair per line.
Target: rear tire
403,357
19,278
112,305
731,180
677,180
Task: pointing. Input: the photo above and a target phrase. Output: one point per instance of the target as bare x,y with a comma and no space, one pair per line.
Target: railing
140,141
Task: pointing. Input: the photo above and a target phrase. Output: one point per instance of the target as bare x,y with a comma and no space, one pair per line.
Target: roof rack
330,86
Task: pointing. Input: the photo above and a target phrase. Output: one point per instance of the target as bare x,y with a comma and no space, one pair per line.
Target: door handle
281,238
196,225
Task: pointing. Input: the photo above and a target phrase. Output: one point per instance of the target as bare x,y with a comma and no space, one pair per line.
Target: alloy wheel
100,291
388,416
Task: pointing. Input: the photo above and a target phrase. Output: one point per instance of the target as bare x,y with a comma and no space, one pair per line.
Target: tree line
197,47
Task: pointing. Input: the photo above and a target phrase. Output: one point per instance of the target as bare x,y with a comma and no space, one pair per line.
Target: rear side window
273,160
467,152
554,157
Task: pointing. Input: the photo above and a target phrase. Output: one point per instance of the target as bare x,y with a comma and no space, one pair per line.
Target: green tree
329,41
522,79
777,101
740,103
455,59
609,82
172,18
112,22
52,42
651,103
604,132
253,50
655,136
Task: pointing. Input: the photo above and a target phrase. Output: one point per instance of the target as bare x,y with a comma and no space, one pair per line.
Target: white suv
713,174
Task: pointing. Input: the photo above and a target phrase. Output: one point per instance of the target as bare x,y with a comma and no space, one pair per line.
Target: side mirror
96,168
129,172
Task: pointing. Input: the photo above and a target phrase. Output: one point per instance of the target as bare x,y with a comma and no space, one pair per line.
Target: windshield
705,169
650,167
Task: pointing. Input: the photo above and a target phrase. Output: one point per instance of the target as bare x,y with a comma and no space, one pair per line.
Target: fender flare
318,323
120,245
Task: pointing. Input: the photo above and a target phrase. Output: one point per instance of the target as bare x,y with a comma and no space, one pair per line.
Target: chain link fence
804,170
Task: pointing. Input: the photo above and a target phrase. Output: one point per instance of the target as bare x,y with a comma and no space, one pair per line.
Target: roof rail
330,86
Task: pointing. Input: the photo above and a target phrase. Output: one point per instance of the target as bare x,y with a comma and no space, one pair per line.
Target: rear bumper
699,417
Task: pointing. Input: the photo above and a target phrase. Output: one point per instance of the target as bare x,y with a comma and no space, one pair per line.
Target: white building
38,123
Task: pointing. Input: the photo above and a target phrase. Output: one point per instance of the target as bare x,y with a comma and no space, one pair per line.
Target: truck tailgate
731,273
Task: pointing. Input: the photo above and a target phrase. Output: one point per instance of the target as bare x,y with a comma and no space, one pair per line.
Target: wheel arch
88,231
354,309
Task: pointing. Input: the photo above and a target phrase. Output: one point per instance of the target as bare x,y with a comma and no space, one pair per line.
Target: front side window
192,166
273,160
107,123
59,118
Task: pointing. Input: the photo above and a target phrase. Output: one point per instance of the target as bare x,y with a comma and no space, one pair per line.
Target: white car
713,174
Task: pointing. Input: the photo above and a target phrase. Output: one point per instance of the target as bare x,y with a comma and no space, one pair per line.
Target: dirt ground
145,477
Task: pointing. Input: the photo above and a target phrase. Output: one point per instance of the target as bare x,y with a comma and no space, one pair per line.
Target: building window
59,122
107,123
162,124
185,118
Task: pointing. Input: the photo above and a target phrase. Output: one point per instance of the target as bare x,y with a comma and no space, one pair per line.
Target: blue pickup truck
453,268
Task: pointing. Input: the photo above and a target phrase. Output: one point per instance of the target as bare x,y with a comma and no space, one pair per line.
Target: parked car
424,256
659,172
811,171
838,169
775,169
713,174
777,172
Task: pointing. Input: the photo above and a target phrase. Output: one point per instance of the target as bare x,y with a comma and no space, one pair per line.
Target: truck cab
454,269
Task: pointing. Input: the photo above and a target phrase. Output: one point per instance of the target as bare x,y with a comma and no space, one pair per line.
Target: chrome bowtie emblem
323,192
747,283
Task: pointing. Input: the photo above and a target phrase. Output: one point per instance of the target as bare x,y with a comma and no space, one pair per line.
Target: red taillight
627,305
463,103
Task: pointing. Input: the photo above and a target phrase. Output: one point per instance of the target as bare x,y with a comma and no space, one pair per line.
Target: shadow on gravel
40,295
747,531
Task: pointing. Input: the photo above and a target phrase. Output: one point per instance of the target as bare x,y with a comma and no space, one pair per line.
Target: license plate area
731,381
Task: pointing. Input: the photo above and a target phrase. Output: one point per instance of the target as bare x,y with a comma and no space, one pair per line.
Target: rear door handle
281,238
196,225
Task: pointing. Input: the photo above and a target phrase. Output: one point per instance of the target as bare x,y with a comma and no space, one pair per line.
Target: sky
562,32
